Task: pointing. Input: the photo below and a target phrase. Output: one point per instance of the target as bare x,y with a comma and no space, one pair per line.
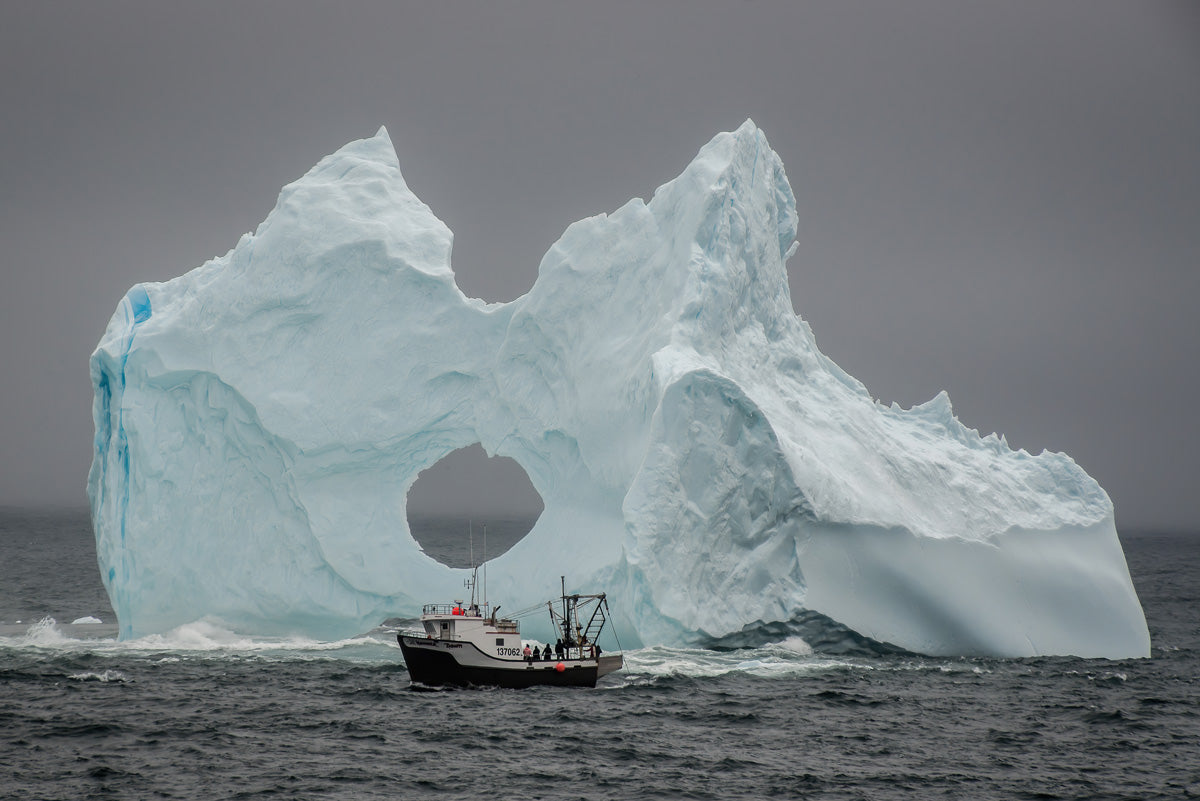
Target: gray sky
1001,200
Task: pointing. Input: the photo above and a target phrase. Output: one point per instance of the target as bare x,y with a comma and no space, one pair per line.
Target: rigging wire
526,611
620,648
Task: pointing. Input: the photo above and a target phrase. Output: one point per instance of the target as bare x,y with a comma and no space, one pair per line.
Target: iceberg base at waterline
261,418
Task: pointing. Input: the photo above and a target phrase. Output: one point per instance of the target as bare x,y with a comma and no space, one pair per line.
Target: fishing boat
469,644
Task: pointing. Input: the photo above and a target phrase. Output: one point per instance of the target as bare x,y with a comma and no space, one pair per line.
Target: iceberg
261,418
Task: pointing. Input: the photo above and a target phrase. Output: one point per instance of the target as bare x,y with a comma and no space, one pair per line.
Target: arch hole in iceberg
450,503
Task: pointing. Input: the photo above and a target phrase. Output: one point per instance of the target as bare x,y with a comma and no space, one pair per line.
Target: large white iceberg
260,420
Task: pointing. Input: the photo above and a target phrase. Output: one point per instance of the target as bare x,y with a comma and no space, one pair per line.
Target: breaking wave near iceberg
210,643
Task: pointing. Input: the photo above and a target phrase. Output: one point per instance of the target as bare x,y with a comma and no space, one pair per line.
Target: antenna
472,581
485,565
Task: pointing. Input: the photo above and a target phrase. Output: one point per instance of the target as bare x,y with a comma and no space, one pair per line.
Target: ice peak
358,195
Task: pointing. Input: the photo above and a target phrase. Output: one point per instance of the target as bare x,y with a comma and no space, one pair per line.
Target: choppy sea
203,713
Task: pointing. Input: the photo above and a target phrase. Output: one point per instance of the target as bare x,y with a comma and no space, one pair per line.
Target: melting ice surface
260,419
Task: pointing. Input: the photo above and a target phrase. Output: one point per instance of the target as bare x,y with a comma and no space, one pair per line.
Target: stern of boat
608,664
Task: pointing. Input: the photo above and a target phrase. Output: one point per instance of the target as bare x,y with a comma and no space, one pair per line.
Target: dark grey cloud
999,200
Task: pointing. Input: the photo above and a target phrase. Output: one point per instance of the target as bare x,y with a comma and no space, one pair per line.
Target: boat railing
573,653
464,610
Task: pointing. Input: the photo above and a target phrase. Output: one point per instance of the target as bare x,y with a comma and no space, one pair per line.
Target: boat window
499,641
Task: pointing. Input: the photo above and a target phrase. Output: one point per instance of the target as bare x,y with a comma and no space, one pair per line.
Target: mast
566,619
473,580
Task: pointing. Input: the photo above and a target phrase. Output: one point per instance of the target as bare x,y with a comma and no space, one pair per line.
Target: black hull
439,668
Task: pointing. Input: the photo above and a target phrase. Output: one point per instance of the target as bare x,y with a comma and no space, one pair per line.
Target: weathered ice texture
260,419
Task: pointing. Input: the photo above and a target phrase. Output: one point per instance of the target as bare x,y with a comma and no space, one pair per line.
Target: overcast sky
1001,200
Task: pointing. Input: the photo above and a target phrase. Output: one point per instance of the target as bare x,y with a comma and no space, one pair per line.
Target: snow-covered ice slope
260,420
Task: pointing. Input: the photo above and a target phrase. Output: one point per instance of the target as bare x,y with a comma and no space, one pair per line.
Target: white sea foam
44,634
210,639
104,677
775,660
202,638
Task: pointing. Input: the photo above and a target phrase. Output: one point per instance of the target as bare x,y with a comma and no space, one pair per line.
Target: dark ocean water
204,713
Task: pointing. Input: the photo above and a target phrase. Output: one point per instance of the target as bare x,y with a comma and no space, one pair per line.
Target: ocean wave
200,638
103,677
209,639
788,657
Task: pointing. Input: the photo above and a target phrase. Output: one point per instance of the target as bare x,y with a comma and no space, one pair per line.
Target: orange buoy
560,667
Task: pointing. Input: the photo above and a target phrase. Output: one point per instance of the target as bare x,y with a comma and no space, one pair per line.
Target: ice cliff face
260,420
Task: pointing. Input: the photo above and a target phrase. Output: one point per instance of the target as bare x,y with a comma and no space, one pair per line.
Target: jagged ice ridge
260,420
